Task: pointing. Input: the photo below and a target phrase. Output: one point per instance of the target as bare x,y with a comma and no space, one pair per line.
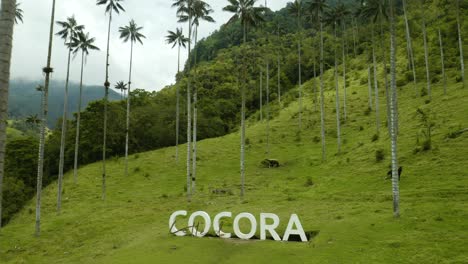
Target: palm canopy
70,29
316,9
83,42
375,9
131,32
337,15
122,86
177,38
200,10
245,11
111,5
18,14
296,8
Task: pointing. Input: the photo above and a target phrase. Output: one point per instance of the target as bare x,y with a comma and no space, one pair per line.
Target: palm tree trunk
376,84
78,120
369,82
322,98
354,35
261,95
63,136
314,83
7,22
268,108
460,44
242,150
279,66
195,112
300,73
345,114
384,58
189,111
442,60
409,45
106,97
44,105
426,59
177,110
127,128
395,176
337,94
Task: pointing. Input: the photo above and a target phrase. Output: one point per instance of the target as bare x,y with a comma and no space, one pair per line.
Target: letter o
216,227
253,228
191,221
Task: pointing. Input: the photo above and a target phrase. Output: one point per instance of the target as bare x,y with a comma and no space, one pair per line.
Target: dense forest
214,64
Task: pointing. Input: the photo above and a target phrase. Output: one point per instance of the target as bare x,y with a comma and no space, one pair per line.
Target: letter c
191,221
172,221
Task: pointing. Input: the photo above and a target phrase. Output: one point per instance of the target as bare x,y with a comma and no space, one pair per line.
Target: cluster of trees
257,54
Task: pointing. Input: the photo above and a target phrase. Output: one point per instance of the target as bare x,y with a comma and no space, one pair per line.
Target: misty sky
155,63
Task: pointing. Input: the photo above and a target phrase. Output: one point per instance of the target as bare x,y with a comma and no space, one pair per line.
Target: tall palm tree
70,30
342,13
184,8
333,18
316,10
132,33
122,86
84,43
296,8
460,44
442,60
177,38
47,70
111,6
426,52
394,143
18,14
409,44
7,16
201,12
248,14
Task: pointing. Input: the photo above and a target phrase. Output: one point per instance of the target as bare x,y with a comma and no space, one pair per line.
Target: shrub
375,137
309,182
379,155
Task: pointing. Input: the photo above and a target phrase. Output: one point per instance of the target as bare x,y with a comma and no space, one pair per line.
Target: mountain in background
25,100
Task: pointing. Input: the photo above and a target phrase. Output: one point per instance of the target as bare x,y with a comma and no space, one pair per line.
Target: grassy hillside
345,199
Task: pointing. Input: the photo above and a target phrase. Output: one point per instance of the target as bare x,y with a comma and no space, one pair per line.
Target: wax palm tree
18,14
47,70
316,9
132,33
426,52
395,176
333,18
409,44
296,8
122,86
460,44
84,43
248,14
7,16
177,38
111,6
342,13
70,30
184,7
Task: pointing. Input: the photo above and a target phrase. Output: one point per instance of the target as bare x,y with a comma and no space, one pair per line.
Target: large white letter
253,227
172,221
271,228
191,221
294,220
216,227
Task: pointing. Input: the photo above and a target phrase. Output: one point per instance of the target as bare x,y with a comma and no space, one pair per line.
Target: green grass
349,204
13,133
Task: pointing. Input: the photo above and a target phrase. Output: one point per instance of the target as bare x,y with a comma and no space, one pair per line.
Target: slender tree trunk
369,82
189,111
279,66
7,22
322,98
426,59
409,46
242,151
261,95
337,94
394,143
376,84
63,136
45,105
177,110
106,97
195,112
268,108
314,83
78,120
442,61
300,72
127,127
345,113
354,36
460,44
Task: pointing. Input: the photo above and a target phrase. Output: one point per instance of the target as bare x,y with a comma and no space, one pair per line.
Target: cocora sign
267,224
